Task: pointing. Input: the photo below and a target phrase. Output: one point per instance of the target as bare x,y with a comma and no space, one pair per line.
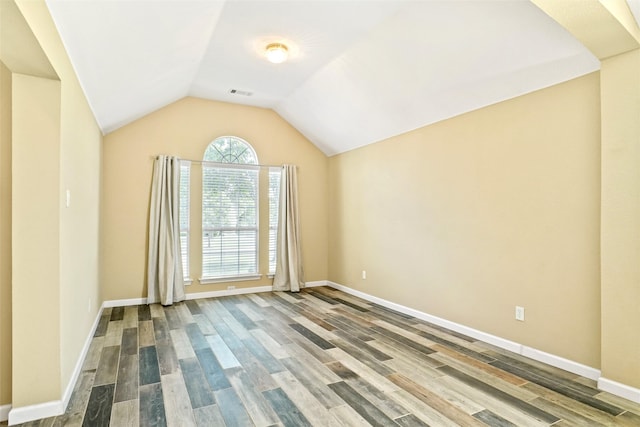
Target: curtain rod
209,162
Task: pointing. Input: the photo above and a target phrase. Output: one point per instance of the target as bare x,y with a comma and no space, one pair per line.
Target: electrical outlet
520,313
364,274
230,287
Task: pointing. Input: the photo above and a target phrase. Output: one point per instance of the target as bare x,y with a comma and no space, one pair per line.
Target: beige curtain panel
164,273
289,274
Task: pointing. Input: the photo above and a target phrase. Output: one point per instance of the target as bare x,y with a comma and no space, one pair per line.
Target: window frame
234,164
186,204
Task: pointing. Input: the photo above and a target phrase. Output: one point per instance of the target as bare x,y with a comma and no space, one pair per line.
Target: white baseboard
25,414
78,368
57,407
532,353
4,412
229,292
316,283
619,389
561,362
124,302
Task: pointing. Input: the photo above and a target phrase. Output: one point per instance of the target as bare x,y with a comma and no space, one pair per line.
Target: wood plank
212,370
103,324
149,371
231,408
177,405
362,370
313,382
167,358
208,416
114,333
362,406
160,330
78,402
108,366
410,420
253,400
181,343
200,394
271,364
173,319
206,327
145,333
311,336
223,353
287,411
379,399
125,414
184,314
127,384
198,341
117,313
492,419
93,354
489,369
562,388
98,412
441,405
157,310
501,395
144,313
272,346
129,343
152,412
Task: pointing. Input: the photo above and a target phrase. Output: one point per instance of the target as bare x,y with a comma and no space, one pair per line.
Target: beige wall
185,129
621,218
35,240
56,146
467,218
5,235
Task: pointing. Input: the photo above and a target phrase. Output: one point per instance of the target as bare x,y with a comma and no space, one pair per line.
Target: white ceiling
360,71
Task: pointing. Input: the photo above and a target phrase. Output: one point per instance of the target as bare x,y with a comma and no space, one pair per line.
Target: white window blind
184,200
229,210
274,203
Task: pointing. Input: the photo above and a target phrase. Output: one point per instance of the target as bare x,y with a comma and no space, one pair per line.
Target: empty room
320,213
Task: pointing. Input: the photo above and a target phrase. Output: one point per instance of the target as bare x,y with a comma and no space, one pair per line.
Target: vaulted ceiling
359,71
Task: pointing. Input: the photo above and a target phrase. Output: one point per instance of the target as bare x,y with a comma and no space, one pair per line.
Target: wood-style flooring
317,358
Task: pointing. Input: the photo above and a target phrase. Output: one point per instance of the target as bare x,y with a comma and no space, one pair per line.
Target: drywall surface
468,218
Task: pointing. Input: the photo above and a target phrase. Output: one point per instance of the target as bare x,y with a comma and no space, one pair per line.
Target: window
185,185
274,203
229,210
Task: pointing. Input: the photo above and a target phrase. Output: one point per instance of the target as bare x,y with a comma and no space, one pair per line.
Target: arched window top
230,149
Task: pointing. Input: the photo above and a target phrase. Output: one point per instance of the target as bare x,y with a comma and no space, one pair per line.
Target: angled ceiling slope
359,71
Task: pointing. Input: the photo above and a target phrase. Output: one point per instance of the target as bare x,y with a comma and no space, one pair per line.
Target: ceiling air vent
241,92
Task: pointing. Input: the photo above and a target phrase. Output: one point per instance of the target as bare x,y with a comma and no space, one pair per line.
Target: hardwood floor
317,358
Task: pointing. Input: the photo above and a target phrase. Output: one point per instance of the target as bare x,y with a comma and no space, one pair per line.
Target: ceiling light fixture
277,53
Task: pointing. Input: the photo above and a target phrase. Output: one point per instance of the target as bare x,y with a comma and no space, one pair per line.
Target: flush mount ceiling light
276,53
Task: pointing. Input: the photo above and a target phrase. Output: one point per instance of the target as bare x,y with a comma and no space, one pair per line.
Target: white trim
550,359
619,389
561,362
4,412
124,302
248,277
56,407
25,414
83,354
316,283
228,292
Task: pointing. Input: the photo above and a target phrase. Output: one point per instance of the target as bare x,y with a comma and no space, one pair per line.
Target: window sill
187,282
210,280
